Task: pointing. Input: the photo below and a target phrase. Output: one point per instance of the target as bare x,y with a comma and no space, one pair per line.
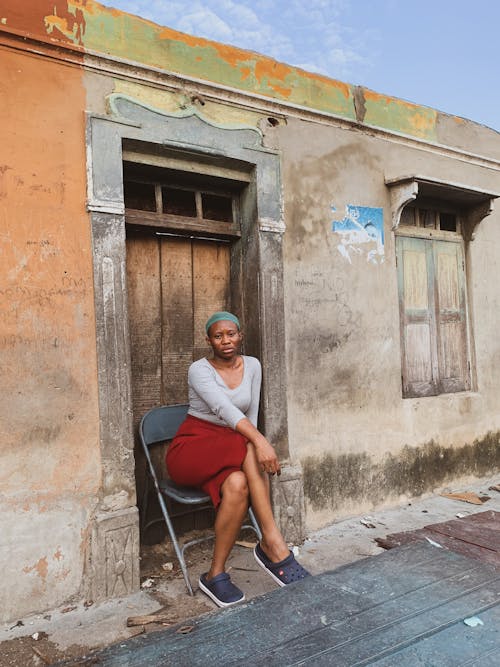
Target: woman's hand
266,456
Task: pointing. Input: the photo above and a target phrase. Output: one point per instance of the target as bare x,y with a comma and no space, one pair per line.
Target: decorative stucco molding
268,225
118,111
401,194
474,216
114,556
475,203
114,208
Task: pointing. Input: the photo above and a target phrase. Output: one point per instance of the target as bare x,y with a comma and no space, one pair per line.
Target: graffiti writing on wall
361,232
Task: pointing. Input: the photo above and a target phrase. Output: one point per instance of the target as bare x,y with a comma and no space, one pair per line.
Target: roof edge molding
476,203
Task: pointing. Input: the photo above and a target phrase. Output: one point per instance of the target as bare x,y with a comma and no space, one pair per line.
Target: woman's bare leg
272,541
230,515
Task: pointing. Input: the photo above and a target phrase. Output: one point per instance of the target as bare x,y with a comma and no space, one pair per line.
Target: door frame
114,535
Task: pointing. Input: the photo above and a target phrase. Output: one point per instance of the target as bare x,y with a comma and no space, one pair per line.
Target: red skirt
203,455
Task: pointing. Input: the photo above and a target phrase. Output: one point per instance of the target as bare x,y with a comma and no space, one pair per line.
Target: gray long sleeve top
212,400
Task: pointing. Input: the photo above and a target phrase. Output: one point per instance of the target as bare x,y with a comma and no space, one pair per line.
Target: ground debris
163,617
467,497
494,487
185,629
434,543
19,624
42,657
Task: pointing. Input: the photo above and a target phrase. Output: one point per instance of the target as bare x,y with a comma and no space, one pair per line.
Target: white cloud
213,25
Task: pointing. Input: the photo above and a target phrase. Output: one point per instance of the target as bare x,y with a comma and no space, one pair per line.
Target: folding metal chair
158,426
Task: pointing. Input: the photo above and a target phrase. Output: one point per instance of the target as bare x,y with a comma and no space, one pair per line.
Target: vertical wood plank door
416,304
451,316
174,285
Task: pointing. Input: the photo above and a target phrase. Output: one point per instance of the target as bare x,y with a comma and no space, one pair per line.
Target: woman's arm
266,455
255,371
202,381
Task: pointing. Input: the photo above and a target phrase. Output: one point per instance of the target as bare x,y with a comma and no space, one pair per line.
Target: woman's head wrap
221,315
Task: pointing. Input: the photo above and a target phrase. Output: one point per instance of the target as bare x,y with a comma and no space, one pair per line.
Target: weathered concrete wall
359,441
49,458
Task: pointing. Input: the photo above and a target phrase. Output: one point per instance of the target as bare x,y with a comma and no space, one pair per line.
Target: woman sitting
219,449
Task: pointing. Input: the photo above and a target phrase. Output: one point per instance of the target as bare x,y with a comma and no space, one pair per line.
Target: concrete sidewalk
73,631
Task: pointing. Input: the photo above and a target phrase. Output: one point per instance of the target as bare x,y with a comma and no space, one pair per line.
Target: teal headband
221,315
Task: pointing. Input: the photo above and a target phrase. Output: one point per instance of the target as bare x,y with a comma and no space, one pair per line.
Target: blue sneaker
221,589
287,571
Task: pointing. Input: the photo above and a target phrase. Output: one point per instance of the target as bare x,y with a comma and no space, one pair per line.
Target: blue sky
439,53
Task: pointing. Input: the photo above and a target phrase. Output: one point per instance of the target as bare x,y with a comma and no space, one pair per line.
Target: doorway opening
183,262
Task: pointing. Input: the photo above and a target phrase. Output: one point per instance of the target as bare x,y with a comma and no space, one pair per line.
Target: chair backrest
161,423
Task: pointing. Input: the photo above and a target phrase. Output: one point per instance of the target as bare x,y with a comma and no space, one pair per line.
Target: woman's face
225,338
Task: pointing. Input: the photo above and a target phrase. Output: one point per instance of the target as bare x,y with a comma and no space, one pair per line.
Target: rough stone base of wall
113,567
287,492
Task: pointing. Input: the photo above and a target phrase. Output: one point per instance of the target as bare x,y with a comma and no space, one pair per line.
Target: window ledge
476,203
449,398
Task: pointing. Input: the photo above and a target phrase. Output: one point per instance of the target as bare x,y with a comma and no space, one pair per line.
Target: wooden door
174,284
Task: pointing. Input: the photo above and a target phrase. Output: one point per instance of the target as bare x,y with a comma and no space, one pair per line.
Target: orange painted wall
48,406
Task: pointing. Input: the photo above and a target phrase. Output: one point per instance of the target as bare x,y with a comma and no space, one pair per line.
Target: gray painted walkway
405,607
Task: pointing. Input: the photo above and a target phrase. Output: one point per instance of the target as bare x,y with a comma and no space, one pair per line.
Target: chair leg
255,525
145,501
173,537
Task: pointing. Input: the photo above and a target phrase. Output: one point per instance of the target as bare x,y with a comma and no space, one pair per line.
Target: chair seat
183,494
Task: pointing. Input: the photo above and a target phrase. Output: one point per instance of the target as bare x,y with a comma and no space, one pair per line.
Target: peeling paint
361,232
62,575
88,24
395,114
41,568
72,25
122,35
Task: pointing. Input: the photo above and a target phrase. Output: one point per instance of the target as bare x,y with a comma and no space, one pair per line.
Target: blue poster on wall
361,232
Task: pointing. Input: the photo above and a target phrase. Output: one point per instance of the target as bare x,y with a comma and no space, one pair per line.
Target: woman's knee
236,485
